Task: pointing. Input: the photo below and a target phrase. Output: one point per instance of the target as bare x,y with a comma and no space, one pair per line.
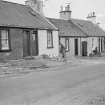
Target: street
64,85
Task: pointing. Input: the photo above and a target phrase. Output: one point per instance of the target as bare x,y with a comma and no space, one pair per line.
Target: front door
30,43
34,43
84,48
26,44
76,46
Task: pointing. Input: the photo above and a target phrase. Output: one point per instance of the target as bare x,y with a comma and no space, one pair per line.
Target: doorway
26,44
84,48
30,43
76,47
34,43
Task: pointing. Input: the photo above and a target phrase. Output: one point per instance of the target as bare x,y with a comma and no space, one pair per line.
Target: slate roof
66,27
76,27
17,15
89,28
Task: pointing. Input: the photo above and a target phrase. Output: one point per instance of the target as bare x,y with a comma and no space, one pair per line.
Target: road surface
64,85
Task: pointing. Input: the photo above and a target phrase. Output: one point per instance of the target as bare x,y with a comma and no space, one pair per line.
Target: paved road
65,85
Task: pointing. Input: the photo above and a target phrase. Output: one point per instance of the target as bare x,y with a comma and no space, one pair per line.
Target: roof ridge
12,2
48,21
33,11
38,22
57,19
36,12
80,19
69,19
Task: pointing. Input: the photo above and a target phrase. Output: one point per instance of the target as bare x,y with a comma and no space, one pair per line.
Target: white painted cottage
80,37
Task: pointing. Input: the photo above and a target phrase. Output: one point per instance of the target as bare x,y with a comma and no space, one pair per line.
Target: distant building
80,37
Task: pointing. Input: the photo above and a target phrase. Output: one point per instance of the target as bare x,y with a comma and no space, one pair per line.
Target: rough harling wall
16,42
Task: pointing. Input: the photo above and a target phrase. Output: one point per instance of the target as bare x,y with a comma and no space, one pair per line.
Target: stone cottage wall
16,41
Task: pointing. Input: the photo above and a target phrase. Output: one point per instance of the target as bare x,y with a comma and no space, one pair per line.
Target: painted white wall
103,44
92,44
42,43
62,41
72,46
79,47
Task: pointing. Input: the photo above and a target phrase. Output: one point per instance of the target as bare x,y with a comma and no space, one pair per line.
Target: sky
80,8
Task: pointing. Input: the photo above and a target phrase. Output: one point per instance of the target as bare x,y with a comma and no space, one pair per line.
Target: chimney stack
36,5
92,17
65,13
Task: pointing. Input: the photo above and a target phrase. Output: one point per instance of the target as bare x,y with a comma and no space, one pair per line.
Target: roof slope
17,15
67,28
88,27
76,27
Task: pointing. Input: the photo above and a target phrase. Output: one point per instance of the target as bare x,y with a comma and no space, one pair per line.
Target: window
99,44
4,40
104,43
67,44
92,42
49,39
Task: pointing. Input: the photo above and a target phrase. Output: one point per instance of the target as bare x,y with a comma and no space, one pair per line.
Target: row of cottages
24,32
80,37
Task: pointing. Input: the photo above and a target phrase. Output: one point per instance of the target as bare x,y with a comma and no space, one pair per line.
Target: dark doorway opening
101,45
76,46
30,43
27,43
84,48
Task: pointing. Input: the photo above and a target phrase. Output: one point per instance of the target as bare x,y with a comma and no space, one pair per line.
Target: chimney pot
92,17
66,13
61,8
36,5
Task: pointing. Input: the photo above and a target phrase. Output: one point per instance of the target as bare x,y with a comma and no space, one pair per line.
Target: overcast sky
80,8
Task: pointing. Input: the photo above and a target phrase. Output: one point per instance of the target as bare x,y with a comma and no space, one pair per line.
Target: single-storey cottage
24,32
80,37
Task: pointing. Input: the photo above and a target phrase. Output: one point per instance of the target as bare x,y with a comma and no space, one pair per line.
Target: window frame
67,44
49,38
8,39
